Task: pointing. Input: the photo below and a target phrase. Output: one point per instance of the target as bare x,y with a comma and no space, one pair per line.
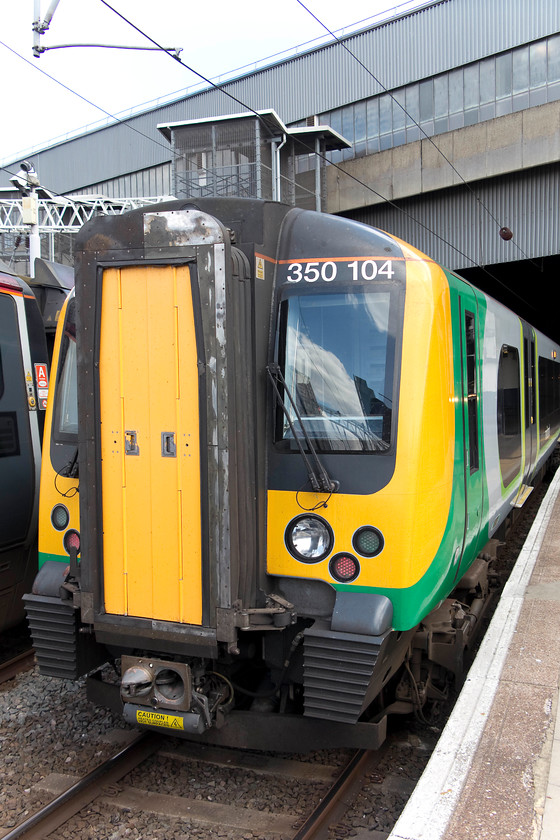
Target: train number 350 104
327,271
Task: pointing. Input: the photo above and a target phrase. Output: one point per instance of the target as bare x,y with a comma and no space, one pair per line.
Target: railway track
333,805
64,806
123,787
16,665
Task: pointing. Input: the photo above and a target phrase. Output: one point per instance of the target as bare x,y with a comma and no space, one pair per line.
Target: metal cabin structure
251,155
459,131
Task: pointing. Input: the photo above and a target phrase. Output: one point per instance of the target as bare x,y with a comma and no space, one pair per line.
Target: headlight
309,538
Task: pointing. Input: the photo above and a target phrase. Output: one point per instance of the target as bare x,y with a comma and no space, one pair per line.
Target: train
281,448
28,315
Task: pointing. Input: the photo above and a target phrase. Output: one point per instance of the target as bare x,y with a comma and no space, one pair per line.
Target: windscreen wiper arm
319,478
70,470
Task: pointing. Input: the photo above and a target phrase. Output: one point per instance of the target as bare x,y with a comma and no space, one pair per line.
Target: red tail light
344,568
71,541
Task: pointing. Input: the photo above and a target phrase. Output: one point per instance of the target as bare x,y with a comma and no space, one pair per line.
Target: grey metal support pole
258,157
317,175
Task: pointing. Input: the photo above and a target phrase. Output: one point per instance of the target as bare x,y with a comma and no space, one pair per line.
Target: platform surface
496,770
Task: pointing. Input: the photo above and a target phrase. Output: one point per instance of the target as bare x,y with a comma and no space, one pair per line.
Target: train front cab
409,517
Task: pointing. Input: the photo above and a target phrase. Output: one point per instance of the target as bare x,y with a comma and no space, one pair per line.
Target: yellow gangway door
150,447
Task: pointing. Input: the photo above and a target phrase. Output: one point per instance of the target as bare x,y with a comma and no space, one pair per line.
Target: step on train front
278,452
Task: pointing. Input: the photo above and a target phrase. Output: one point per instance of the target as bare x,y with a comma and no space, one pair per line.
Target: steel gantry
66,214
46,226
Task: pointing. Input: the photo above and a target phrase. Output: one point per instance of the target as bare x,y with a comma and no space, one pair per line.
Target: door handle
131,443
168,445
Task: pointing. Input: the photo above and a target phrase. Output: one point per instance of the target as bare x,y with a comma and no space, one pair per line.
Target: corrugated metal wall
456,230
155,181
431,40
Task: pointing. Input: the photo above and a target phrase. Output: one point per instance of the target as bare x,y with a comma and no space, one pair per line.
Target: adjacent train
279,448
28,315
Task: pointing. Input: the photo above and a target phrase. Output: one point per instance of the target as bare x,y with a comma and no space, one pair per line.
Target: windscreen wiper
70,470
319,478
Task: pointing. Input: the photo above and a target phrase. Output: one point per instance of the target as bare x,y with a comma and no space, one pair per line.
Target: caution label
159,719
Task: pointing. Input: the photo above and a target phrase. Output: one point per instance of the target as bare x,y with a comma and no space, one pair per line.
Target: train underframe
301,686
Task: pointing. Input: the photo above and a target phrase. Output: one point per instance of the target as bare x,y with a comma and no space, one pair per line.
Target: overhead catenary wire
179,60
339,168
216,86
83,98
248,108
42,50
342,43
125,122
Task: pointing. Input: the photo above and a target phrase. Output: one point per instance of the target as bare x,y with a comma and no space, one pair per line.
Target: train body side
24,372
520,413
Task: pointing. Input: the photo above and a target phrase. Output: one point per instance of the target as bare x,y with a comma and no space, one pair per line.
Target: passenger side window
549,399
509,413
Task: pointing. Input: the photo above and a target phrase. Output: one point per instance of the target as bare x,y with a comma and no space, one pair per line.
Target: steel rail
20,663
67,804
332,806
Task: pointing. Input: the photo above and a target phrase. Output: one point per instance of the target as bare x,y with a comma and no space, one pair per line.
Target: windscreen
65,416
338,360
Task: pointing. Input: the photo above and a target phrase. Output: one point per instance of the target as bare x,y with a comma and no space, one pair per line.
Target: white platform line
434,800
